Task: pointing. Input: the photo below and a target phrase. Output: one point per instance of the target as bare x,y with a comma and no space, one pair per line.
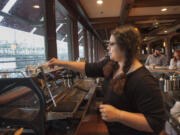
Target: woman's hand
133,120
54,62
109,113
71,65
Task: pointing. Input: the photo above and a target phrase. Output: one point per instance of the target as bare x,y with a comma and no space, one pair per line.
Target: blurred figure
175,61
156,59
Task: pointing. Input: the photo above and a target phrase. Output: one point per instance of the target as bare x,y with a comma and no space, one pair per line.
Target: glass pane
93,52
81,51
89,46
61,34
22,33
81,41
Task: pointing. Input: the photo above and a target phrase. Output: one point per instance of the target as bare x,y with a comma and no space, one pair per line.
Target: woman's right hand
54,62
76,66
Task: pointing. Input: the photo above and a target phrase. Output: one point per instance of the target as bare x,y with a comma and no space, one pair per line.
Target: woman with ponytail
132,100
175,61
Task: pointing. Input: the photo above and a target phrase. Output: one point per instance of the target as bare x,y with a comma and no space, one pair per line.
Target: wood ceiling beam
155,3
145,25
105,26
132,19
22,20
125,8
105,20
163,27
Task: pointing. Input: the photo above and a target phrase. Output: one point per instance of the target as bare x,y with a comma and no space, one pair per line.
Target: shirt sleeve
164,61
95,69
150,103
147,60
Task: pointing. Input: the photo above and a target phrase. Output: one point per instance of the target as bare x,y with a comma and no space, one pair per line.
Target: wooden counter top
92,124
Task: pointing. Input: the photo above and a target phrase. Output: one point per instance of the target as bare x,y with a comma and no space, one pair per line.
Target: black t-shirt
141,95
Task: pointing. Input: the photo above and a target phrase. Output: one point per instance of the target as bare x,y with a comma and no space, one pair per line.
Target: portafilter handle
45,80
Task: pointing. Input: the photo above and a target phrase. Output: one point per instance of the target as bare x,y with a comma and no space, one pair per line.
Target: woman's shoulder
144,78
140,73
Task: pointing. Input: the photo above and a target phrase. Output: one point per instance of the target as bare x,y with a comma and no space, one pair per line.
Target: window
81,41
93,51
62,34
22,33
89,45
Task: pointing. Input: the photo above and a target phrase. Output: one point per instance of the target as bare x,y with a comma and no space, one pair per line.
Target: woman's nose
108,47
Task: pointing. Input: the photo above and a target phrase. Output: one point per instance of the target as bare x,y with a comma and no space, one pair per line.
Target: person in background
156,59
175,61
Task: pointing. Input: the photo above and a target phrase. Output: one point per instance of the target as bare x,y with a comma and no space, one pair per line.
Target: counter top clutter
45,100
169,81
11,131
175,111
161,69
172,104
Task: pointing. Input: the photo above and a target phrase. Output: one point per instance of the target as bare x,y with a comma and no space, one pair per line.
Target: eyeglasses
111,43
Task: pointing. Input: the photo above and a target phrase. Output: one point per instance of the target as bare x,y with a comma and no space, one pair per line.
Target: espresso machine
169,83
35,98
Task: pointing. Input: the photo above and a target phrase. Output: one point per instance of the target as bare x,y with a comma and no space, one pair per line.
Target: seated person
175,61
156,59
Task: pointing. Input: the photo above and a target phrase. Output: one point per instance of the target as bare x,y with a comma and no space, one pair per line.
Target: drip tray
63,110
65,107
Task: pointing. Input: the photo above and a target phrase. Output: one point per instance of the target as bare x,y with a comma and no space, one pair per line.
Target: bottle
161,83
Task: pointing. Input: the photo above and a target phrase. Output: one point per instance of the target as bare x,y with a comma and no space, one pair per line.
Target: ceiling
144,14
21,15
110,8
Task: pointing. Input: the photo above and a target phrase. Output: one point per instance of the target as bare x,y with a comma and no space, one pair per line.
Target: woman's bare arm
133,120
75,66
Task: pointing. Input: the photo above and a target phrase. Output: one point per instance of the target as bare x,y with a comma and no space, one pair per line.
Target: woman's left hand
109,113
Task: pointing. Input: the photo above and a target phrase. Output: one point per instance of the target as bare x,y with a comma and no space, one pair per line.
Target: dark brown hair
178,52
127,38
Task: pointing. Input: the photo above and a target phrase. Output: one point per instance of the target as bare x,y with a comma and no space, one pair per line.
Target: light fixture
100,2
36,6
165,31
136,29
164,9
156,23
164,44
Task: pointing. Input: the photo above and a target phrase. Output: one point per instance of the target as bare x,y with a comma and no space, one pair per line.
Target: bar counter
163,70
